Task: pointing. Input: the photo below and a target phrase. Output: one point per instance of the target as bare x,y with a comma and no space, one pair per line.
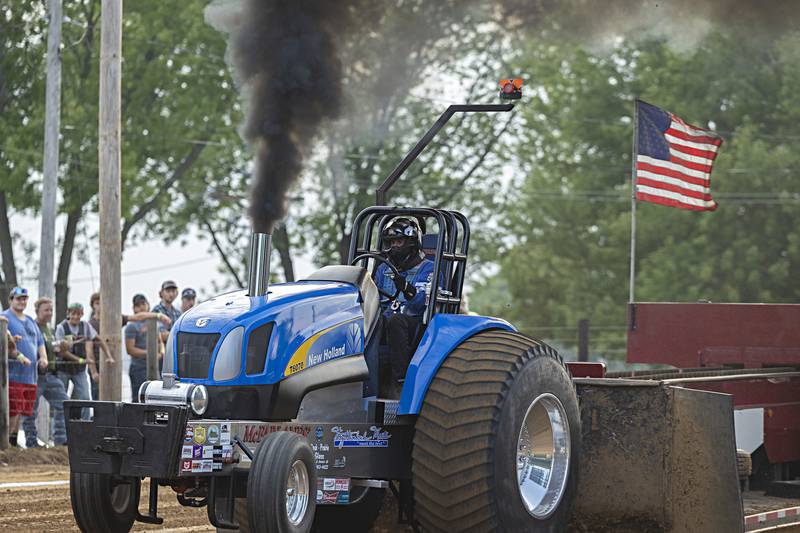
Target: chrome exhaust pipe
258,279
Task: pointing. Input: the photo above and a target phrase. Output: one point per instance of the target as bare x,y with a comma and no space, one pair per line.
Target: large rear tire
498,439
282,485
102,503
354,518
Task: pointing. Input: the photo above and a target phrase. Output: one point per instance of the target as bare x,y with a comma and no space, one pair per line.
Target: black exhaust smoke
286,63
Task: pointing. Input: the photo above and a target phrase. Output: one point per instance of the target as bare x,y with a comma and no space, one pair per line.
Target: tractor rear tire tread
455,434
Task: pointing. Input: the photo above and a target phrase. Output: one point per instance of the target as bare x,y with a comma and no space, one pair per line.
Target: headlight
167,367
199,400
228,363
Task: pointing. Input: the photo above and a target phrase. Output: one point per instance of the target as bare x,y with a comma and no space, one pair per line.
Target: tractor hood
235,340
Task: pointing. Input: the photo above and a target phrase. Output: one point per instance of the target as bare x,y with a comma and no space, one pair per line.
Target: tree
569,228
179,108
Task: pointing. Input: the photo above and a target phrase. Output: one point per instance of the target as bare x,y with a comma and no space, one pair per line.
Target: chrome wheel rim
543,454
297,492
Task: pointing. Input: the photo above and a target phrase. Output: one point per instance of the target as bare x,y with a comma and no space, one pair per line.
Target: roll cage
450,252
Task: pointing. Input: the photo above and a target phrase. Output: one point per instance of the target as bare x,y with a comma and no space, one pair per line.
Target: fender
442,336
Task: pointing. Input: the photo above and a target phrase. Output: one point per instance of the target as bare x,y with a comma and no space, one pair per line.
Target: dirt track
40,509
35,509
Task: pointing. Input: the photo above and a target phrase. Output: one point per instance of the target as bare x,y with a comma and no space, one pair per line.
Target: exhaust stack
258,278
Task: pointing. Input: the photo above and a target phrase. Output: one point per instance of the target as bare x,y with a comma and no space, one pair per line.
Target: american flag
673,160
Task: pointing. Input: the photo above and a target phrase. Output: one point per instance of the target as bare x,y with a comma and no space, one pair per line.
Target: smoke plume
285,60
286,56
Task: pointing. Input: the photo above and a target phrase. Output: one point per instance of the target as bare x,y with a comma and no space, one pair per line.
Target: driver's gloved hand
408,290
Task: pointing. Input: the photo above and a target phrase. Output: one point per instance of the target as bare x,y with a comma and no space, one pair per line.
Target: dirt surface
757,502
48,508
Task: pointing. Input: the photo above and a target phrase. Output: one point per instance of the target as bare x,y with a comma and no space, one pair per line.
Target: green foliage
571,222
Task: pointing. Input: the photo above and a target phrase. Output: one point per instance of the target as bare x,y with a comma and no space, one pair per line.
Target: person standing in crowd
168,293
188,299
73,364
22,368
136,346
100,343
48,384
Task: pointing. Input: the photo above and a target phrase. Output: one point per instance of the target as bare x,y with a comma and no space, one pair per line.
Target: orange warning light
511,88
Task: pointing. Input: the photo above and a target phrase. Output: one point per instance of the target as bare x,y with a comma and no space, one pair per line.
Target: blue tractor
270,411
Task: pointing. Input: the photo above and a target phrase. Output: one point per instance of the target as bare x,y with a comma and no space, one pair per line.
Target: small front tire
102,503
282,485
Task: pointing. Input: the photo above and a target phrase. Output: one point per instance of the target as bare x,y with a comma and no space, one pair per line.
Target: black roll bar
380,192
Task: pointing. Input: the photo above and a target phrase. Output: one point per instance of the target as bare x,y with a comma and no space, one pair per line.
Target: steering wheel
381,259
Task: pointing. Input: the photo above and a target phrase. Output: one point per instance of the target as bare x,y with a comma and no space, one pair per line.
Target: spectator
48,385
22,368
74,360
188,299
168,293
100,343
136,346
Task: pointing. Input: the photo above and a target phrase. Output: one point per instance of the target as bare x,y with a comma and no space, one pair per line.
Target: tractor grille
194,354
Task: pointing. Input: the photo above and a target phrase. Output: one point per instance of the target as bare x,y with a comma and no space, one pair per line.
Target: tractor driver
401,244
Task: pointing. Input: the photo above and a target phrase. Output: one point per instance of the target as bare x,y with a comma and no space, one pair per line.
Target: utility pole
51,131
110,208
52,126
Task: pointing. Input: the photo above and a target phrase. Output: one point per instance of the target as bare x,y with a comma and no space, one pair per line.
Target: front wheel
282,485
498,439
102,503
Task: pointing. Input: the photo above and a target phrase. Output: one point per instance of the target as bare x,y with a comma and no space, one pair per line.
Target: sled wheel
354,518
498,439
282,485
104,503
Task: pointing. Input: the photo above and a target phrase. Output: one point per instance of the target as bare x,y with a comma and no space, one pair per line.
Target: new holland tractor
270,411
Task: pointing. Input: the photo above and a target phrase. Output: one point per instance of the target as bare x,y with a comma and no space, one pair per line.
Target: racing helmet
408,231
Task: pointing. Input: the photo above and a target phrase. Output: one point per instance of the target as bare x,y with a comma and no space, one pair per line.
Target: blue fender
442,336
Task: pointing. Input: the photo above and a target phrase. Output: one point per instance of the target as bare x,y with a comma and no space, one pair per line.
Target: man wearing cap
188,299
48,385
22,368
136,346
168,293
73,364
100,344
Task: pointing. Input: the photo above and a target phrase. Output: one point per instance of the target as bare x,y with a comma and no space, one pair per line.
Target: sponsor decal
186,452
213,434
320,461
329,483
189,435
200,435
208,452
340,462
318,432
319,496
217,466
197,452
202,322
350,438
207,466
196,466
225,433
227,454
343,497
342,484
186,466
256,432
329,496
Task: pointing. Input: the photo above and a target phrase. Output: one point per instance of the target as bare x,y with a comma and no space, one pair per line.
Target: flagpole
633,194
